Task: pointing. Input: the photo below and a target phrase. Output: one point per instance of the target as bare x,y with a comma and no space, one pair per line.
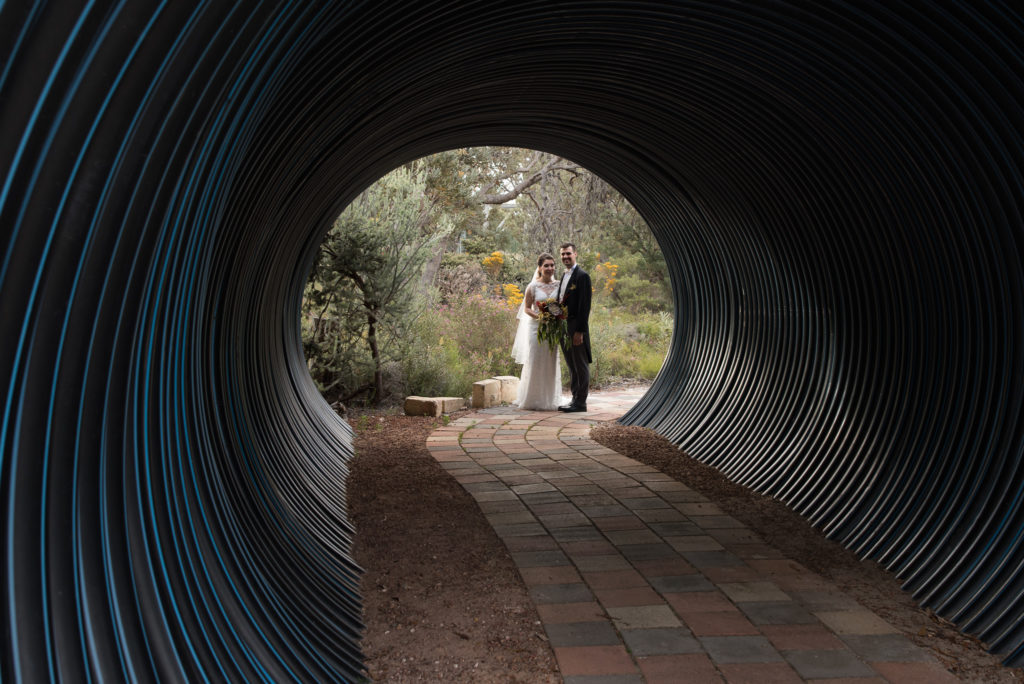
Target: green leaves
365,276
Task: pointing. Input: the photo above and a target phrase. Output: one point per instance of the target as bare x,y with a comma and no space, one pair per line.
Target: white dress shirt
565,282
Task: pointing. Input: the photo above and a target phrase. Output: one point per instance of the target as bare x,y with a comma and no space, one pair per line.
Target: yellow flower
494,262
608,271
512,294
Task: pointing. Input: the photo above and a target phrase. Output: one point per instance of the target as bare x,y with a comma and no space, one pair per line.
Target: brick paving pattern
638,578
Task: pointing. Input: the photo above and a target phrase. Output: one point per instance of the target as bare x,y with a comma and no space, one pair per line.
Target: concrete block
450,404
486,393
509,387
423,406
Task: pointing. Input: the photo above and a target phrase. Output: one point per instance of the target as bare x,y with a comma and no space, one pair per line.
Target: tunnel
836,188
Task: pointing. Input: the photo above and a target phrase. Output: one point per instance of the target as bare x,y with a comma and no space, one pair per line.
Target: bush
459,343
634,292
436,370
451,346
628,345
627,282
470,339
458,279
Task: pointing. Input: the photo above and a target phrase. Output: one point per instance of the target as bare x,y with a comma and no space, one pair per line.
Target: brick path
638,578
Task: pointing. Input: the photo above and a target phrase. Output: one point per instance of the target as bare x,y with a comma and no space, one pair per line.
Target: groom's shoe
574,409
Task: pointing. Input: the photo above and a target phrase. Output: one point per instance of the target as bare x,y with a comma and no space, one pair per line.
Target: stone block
486,393
509,387
422,406
432,406
450,404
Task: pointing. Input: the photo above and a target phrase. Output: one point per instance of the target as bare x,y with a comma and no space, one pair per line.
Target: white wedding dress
540,385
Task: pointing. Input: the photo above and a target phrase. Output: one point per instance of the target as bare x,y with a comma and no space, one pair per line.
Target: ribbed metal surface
836,188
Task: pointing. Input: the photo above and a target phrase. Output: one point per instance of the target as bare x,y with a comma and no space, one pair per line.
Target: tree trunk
378,370
431,267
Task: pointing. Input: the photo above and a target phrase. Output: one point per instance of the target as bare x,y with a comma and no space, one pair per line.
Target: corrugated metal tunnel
836,188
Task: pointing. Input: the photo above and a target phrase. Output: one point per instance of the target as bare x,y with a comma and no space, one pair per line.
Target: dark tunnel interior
836,188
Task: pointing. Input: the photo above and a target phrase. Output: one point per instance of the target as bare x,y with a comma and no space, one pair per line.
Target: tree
365,272
540,185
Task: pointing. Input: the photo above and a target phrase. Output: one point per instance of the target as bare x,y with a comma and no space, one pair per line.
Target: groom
574,293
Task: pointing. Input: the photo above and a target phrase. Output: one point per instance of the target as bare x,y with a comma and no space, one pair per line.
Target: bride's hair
544,256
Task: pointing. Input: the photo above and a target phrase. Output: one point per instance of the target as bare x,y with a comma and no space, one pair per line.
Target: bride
540,386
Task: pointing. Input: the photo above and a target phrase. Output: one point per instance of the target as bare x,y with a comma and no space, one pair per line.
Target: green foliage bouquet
551,323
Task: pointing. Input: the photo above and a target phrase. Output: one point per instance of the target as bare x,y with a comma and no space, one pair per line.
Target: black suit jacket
576,298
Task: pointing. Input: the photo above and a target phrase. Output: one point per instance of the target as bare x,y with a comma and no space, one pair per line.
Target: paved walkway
638,578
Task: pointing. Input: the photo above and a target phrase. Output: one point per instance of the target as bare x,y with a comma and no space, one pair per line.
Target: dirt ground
443,600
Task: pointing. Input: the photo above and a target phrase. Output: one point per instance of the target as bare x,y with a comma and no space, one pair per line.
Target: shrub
634,292
513,296
457,280
436,370
493,263
453,345
458,343
604,278
628,345
629,282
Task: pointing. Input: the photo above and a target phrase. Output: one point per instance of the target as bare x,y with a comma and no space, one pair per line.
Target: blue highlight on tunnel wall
836,190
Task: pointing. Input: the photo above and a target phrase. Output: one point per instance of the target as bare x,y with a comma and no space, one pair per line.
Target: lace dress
540,385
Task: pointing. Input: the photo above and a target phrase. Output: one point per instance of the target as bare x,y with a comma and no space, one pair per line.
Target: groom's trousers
579,372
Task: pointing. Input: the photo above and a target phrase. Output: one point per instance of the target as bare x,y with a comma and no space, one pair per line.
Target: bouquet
551,323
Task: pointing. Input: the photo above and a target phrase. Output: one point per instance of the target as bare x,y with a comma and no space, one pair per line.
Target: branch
320,318
505,176
528,181
354,276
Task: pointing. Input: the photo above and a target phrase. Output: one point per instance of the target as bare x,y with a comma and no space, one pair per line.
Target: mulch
442,600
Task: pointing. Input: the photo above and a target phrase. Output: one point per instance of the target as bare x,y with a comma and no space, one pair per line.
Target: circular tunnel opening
416,287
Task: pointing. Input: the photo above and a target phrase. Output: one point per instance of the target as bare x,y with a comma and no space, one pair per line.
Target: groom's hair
566,245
